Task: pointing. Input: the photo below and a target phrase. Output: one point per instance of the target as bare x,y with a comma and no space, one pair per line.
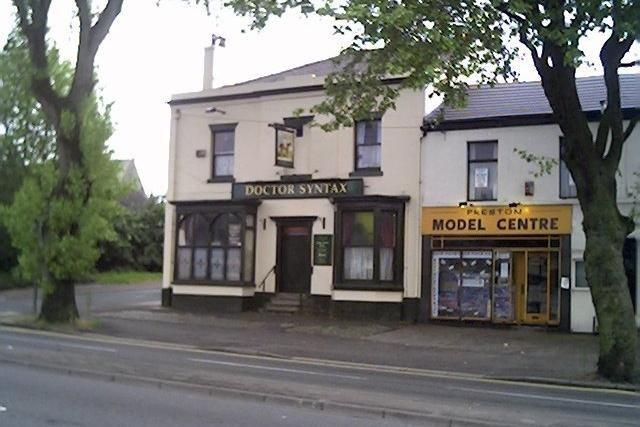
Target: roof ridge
282,72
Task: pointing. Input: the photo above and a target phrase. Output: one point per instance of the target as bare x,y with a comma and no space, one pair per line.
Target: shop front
497,264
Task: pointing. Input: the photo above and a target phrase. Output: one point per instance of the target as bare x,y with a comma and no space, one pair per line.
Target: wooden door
294,260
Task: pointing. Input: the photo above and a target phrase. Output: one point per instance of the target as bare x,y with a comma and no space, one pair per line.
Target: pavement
533,354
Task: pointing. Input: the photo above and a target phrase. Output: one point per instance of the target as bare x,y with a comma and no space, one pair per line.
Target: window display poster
284,147
234,234
481,177
504,270
445,284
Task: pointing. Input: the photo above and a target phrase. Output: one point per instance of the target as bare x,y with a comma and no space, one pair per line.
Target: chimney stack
207,79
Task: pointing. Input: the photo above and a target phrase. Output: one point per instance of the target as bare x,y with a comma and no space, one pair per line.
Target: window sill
481,200
371,286
221,179
366,172
205,283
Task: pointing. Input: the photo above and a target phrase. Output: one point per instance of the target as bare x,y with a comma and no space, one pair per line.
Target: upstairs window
368,145
482,179
223,149
567,185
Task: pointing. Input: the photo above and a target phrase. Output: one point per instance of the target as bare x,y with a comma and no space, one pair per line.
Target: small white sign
564,283
481,178
504,270
3,409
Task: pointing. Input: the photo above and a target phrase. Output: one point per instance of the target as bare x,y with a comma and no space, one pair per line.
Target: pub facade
262,202
503,243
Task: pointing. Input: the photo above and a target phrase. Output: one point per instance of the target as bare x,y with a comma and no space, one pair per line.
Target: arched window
215,248
226,248
192,247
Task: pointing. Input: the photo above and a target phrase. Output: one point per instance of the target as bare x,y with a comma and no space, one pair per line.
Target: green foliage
25,136
138,239
125,277
56,231
441,45
544,164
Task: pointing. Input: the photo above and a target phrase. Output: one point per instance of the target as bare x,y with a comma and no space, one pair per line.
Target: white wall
321,154
444,183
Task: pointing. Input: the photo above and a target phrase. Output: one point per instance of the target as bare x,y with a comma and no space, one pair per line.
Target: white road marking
271,368
64,344
89,347
3,409
553,398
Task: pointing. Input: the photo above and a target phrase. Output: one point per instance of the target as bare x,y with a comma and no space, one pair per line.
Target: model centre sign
297,190
497,220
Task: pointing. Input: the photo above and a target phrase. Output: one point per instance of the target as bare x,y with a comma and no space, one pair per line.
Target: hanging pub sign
285,139
496,220
297,190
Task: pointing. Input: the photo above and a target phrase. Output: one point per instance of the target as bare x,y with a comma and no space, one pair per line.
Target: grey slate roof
319,68
520,99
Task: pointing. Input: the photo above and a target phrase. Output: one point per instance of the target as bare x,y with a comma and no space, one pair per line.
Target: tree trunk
605,230
59,305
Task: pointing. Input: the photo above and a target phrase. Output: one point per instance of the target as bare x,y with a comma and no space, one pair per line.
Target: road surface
90,298
331,388
31,397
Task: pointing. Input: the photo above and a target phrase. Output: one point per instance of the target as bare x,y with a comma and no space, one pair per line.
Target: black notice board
322,249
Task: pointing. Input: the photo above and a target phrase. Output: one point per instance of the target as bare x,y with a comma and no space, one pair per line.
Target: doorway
536,280
293,259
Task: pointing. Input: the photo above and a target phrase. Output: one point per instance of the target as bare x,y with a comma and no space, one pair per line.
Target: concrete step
287,296
281,309
284,303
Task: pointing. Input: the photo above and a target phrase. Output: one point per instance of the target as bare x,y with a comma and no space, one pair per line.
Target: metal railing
262,283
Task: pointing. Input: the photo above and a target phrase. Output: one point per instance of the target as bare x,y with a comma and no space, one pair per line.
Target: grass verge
7,281
125,277
33,322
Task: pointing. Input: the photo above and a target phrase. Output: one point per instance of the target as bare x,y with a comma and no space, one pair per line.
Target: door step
284,303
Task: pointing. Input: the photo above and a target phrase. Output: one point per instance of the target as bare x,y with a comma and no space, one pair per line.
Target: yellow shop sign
497,220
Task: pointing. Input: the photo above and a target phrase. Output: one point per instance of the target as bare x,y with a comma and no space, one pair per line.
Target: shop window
215,248
482,170
461,284
368,145
503,289
581,276
223,149
445,284
554,287
369,254
476,284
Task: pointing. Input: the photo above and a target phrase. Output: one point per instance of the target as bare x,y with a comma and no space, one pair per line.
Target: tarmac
517,353
533,354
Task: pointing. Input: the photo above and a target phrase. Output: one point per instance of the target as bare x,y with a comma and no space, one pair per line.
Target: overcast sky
155,51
